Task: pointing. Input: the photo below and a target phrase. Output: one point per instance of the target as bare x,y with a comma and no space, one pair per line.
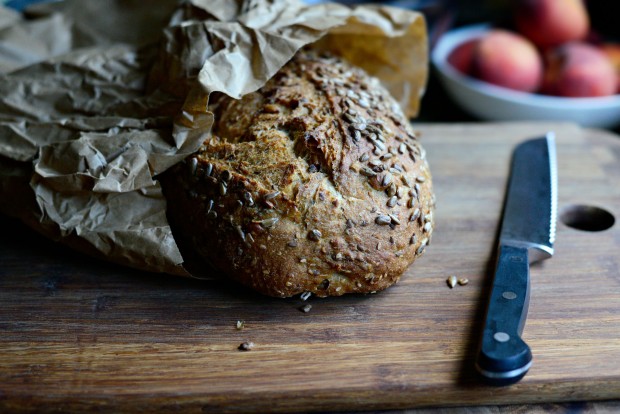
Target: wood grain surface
78,334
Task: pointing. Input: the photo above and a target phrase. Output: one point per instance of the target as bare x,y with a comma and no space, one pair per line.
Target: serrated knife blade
527,235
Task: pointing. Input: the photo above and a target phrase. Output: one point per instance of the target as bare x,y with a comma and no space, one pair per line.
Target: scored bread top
315,183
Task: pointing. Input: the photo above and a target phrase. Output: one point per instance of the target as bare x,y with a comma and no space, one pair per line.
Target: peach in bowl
520,99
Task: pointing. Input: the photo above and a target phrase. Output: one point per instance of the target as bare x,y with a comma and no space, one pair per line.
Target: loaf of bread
314,183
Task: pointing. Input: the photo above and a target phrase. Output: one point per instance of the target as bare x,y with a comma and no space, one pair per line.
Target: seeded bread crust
315,183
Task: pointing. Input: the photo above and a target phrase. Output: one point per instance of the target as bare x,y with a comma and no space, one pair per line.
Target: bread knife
527,235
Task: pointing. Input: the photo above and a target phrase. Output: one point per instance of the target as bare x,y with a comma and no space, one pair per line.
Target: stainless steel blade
527,235
531,201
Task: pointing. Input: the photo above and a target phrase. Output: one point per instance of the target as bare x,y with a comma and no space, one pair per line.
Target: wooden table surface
78,334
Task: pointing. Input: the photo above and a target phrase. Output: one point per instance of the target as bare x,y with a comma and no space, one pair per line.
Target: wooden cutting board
76,333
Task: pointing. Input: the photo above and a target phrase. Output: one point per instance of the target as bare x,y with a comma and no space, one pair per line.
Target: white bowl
495,103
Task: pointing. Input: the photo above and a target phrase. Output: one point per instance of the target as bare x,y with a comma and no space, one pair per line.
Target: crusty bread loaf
315,183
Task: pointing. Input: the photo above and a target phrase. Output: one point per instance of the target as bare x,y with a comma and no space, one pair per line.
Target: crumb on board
246,346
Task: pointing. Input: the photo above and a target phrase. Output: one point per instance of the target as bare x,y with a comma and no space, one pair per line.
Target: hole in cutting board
587,218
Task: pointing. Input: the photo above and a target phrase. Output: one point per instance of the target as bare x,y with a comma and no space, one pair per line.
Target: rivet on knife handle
527,235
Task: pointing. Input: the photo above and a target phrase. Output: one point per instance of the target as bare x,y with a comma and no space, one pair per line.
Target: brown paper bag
91,112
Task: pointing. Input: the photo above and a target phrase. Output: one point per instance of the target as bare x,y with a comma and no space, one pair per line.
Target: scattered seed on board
304,296
463,281
246,346
306,308
452,281
240,325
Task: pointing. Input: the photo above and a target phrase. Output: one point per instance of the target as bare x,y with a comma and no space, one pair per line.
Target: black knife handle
503,357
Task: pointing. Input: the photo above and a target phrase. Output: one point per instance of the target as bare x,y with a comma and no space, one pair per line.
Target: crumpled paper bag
105,95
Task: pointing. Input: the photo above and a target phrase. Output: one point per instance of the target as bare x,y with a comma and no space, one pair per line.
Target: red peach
550,23
462,57
612,50
578,69
508,59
